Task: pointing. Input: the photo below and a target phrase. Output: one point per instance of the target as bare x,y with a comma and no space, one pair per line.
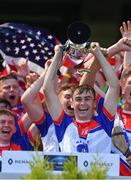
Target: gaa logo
10,161
82,148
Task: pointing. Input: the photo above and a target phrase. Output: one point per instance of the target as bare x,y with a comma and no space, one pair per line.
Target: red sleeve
59,120
41,119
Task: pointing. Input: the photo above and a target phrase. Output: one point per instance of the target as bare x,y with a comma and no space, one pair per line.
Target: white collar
82,121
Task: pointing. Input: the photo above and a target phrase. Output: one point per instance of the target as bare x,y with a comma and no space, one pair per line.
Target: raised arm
122,45
89,77
111,97
31,100
52,100
125,30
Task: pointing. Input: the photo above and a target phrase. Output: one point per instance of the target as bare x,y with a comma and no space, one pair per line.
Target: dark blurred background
103,16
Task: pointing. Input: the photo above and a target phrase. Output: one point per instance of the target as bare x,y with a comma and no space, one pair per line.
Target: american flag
18,41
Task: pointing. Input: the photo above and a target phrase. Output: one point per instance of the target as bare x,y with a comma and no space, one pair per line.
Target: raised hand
94,48
22,69
30,78
125,29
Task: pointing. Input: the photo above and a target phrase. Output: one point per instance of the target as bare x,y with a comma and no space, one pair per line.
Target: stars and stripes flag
18,41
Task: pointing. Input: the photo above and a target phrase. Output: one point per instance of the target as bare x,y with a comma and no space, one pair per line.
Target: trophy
77,45
119,141
75,50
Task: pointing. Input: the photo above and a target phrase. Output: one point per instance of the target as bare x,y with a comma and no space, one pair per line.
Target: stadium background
104,17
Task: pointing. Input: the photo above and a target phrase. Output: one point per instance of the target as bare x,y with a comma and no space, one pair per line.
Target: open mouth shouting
5,131
70,108
12,97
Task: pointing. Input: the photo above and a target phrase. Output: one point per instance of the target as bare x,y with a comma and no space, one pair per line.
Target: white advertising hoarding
110,161
18,161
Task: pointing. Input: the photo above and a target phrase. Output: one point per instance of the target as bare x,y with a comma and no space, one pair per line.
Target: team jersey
125,116
93,136
125,123
48,135
21,138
